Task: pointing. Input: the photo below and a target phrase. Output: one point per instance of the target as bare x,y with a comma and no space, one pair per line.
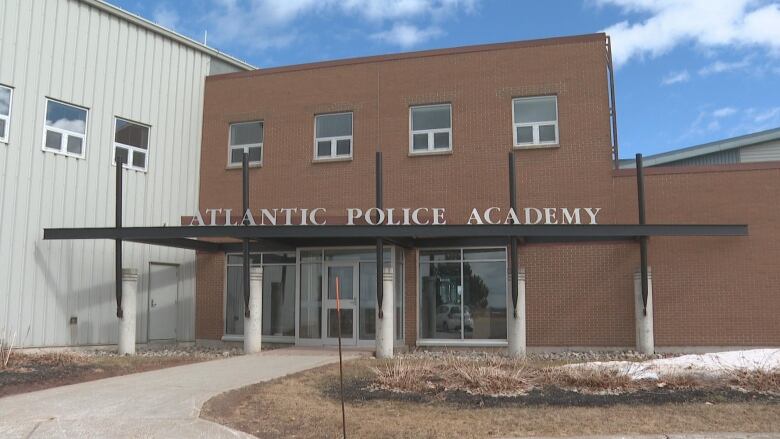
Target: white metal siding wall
67,50
763,152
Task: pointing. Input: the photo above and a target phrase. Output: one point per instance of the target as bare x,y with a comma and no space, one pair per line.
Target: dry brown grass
297,406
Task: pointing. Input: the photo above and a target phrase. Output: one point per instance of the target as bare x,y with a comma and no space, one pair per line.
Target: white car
448,318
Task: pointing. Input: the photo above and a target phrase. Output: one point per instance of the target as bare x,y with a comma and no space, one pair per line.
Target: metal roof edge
168,33
705,148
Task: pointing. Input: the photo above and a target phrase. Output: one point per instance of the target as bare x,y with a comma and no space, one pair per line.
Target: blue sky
688,71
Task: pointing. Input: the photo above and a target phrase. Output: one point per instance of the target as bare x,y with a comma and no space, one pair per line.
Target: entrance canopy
215,238
289,237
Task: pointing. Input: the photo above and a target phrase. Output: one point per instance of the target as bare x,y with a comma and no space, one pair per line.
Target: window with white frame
131,144
6,94
535,120
333,136
246,137
65,129
430,128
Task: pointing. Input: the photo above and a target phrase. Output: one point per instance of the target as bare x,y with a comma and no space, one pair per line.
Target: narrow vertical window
131,144
6,95
65,129
535,120
246,137
430,128
333,136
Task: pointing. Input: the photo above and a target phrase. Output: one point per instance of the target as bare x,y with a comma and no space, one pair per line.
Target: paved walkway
672,436
158,404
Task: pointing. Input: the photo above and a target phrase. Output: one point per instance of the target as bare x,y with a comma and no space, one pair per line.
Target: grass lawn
306,405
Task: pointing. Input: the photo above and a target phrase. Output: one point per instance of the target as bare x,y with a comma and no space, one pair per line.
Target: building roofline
162,30
705,148
412,55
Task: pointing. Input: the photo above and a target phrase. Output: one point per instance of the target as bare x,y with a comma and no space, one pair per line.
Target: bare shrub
761,380
495,376
589,380
490,375
6,347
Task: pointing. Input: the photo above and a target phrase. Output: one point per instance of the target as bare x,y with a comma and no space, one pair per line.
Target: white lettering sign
420,216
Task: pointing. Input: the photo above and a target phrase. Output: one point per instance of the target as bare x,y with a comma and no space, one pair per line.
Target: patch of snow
714,364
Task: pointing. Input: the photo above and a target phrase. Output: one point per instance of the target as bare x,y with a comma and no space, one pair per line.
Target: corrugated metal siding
716,158
67,50
762,152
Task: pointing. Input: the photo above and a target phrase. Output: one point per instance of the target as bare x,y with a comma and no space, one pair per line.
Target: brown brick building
444,122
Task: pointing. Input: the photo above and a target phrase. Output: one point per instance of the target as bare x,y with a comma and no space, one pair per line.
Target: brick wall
209,297
708,291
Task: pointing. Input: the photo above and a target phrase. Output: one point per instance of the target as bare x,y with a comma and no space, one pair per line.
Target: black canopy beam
380,251
118,240
513,258
186,243
597,232
245,241
640,192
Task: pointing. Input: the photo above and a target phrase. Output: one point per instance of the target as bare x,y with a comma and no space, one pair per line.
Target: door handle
153,304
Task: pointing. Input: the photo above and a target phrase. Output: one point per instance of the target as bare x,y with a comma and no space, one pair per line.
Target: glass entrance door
347,274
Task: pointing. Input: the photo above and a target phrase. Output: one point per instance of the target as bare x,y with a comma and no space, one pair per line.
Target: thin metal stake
341,365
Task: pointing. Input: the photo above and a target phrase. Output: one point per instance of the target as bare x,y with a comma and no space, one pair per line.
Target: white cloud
723,112
407,35
166,17
724,66
676,77
729,122
760,117
707,23
262,24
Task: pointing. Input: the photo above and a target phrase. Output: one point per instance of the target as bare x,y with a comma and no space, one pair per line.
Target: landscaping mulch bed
359,390
27,372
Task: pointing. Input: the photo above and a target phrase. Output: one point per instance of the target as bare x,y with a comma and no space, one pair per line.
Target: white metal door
163,301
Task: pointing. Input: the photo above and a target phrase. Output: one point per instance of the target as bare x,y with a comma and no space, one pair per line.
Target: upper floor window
333,136
430,128
6,94
535,120
131,144
65,129
246,137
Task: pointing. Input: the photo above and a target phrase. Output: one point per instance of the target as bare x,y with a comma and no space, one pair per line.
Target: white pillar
127,322
385,336
252,328
516,326
644,323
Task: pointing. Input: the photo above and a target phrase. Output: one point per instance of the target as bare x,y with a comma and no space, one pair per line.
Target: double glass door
347,276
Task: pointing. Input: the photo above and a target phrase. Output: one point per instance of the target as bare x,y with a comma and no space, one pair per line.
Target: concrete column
516,326
253,330
385,335
644,323
127,322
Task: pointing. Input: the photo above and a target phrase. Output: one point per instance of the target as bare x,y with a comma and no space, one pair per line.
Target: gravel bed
569,356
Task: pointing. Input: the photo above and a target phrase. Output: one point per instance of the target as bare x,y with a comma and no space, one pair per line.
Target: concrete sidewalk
158,404
733,435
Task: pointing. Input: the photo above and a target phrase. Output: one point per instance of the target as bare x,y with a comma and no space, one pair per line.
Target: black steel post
640,191
380,250
118,242
245,241
513,259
